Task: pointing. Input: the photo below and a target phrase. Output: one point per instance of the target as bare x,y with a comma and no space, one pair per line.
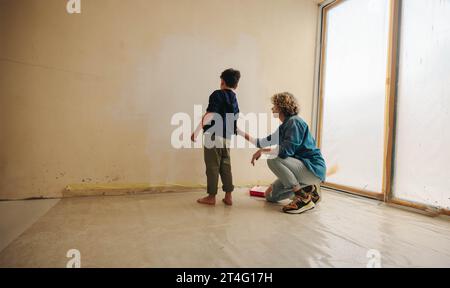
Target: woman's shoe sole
305,208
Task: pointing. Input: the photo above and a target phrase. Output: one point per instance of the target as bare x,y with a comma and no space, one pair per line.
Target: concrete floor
172,230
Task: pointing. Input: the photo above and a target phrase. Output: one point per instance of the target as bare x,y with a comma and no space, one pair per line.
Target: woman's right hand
256,156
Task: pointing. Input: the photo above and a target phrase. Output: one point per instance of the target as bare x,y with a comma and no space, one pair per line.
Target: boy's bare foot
208,200
228,199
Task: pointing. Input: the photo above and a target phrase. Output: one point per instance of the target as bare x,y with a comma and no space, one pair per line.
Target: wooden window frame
386,194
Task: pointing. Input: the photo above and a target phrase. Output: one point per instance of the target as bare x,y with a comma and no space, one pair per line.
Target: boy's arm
205,119
213,107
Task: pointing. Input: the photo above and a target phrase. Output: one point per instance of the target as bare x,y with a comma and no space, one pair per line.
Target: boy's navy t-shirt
223,102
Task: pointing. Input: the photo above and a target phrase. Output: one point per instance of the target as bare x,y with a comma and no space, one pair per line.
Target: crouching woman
296,161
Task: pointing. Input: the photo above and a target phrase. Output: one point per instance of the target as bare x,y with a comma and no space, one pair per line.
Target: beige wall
89,97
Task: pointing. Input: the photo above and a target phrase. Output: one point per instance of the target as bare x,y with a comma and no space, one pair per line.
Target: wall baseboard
111,189
115,189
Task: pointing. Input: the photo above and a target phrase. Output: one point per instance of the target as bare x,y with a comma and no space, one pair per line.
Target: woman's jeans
290,172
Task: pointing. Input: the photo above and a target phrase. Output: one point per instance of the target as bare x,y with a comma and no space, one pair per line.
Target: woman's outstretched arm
247,136
270,140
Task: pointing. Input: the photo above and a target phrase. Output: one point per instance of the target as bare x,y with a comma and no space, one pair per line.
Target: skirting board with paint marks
113,189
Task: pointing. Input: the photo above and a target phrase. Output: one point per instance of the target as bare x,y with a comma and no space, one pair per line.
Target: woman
296,160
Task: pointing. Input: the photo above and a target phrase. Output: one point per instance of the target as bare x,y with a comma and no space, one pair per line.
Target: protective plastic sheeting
354,89
422,153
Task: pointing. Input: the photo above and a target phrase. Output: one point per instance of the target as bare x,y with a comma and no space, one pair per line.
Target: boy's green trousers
218,162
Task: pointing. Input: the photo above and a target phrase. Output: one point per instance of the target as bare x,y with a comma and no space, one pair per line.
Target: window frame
390,105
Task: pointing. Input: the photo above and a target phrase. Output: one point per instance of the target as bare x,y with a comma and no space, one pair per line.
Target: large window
354,89
384,99
422,150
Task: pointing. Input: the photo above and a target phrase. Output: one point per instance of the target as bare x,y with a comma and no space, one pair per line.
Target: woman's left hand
256,156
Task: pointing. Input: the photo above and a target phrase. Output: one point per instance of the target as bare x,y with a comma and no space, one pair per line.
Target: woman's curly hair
286,102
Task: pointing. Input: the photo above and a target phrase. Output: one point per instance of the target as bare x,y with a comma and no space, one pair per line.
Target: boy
218,130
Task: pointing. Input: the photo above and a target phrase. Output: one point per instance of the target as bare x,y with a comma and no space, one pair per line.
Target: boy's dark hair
231,77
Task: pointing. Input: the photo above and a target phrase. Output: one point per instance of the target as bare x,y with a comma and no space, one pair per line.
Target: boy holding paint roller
217,130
